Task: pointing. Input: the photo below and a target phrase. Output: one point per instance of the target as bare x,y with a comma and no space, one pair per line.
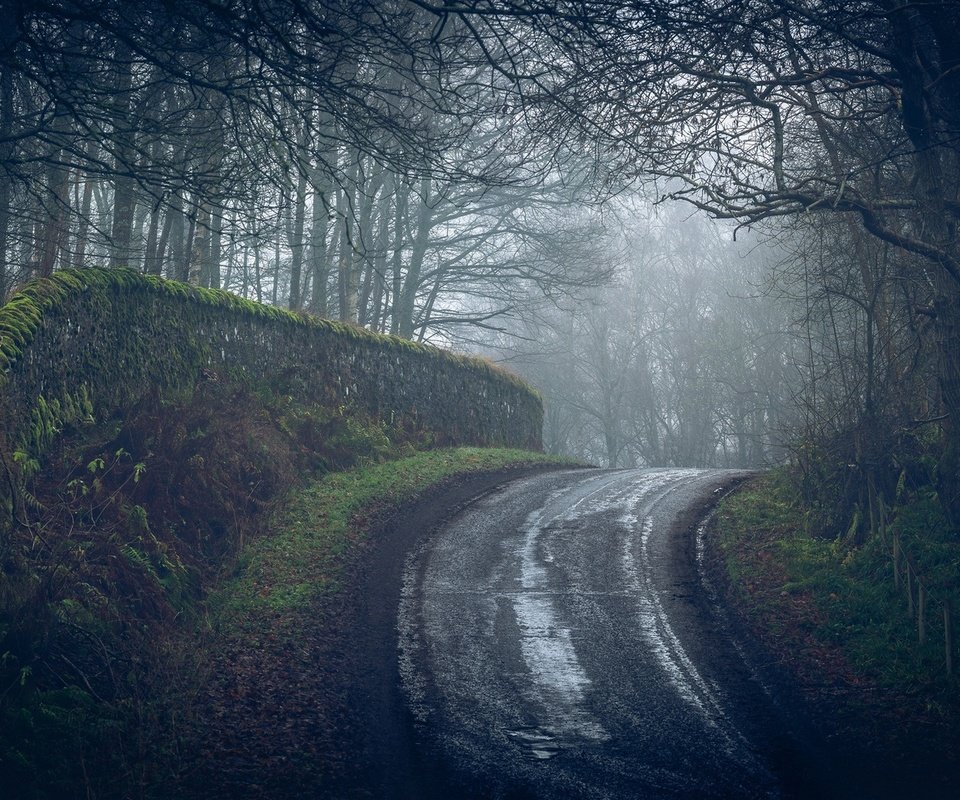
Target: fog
701,239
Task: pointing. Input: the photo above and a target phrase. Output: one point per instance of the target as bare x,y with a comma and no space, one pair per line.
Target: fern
139,559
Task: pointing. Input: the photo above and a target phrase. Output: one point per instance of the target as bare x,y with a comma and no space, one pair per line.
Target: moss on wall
97,342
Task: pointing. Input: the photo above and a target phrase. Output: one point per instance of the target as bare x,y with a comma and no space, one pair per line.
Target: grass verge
278,709
323,526
830,612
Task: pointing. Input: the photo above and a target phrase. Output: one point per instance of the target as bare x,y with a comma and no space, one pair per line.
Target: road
555,641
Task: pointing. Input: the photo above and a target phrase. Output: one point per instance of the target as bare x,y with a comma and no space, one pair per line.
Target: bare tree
766,111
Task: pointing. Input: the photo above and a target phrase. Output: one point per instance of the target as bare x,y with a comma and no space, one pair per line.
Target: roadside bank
297,676
828,617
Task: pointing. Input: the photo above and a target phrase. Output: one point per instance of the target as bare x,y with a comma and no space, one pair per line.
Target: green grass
323,527
820,593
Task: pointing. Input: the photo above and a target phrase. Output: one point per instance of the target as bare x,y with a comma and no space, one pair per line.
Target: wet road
551,646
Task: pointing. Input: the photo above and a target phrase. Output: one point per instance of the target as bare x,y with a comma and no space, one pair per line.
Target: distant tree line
684,359
833,126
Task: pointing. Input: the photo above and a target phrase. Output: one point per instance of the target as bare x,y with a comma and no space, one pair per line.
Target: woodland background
536,181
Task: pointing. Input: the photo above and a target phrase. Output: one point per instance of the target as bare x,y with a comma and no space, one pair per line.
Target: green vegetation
286,630
126,525
94,344
96,668
836,602
22,316
150,431
323,527
127,519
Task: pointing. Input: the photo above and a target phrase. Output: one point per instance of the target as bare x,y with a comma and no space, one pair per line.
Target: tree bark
411,283
56,200
931,89
200,250
177,245
396,261
346,263
123,185
297,242
384,216
216,249
365,252
151,262
83,225
317,258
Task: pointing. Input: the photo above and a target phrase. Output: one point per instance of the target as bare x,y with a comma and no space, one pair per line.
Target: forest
710,233
713,233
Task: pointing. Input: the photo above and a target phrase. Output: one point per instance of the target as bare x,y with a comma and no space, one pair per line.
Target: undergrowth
288,640
324,524
127,524
834,598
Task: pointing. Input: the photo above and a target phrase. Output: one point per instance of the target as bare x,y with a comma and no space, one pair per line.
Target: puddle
536,743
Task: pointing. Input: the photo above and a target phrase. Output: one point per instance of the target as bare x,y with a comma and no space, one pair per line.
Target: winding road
555,639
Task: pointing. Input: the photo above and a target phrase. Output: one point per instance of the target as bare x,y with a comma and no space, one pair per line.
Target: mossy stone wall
103,340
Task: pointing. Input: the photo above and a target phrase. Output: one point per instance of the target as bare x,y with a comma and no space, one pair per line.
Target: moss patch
96,343
147,431
277,713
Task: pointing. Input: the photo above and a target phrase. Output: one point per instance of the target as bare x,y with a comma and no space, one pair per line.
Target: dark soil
312,706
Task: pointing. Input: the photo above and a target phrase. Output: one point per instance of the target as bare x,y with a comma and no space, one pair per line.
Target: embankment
97,342
151,435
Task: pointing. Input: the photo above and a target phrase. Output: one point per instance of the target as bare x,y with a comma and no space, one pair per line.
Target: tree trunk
384,216
83,226
929,111
317,259
318,251
164,243
367,253
6,156
177,245
297,243
56,200
257,271
123,198
399,240
200,249
151,262
274,292
408,295
948,346
347,261
216,249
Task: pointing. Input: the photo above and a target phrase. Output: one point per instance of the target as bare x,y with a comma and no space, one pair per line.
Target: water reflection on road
543,648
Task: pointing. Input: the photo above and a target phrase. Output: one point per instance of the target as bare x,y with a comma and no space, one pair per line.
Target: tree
680,362
765,111
347,157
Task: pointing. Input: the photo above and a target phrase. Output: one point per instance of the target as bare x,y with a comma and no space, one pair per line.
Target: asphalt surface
555,640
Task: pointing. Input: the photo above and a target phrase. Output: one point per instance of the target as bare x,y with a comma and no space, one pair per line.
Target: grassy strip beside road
829,599
276,714
323,526
830,614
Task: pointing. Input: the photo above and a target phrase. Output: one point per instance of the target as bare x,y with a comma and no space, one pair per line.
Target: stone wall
98,341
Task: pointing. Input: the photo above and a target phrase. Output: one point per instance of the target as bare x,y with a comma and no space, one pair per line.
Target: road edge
798,754
381,728
843,725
